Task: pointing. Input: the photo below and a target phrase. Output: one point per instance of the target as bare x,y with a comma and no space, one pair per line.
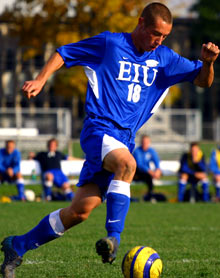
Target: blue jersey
215,162
126,86
145,159
10,160
190,167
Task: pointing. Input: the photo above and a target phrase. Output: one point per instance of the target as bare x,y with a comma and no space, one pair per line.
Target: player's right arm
33,87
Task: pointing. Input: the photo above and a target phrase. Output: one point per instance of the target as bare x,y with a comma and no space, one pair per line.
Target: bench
72,168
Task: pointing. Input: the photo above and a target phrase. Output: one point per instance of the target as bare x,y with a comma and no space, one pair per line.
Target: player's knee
48,177
66,186
127,166
184,177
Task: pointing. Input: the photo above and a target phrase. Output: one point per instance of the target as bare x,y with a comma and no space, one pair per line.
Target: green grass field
186,236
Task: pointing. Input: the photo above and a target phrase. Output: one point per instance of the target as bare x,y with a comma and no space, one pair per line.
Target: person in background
148,164
215,169
10,159
193,169
52,174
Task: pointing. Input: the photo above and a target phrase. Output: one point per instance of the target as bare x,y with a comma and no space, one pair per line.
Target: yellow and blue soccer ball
142,262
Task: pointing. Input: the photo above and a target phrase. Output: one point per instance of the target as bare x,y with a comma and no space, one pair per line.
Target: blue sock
49,228
118,201
47,192
181,191
217,187
205,188
217,192
20,188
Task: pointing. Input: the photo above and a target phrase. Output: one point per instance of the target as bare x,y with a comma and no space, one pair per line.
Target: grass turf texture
186,237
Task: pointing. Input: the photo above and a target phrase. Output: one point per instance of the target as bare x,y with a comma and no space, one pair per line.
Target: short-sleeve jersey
124,85
145,158
50,160
11,160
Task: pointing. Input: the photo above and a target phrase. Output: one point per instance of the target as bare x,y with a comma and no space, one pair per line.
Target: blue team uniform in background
7,160
215,168
215,162
13,161
145,159
189,167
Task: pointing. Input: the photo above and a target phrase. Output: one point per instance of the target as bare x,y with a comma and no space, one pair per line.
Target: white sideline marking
42,262
187,261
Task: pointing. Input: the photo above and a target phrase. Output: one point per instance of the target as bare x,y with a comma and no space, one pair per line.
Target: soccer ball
29,195
142,262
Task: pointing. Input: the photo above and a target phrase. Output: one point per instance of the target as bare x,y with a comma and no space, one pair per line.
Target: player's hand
10,172
32,88
209,52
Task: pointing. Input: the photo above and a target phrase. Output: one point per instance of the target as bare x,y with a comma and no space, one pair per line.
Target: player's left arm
209,54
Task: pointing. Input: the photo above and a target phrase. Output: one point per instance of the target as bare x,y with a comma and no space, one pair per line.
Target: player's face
10,146
194,150
145,143
150,37
53,146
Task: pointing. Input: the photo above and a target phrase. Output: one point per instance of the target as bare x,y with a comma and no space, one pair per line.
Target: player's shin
49,228
118,201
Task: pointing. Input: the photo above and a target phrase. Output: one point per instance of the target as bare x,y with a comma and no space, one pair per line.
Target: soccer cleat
107,248
12,259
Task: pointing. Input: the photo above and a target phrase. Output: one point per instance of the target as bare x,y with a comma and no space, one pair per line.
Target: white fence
31,128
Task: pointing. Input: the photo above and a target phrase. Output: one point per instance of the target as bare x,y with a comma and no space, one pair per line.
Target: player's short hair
144,136
52,140
154,10
9,141
192,144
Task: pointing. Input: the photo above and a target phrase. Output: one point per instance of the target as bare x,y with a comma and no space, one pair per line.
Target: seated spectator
148,165
50,162
193,170
10,159
215,169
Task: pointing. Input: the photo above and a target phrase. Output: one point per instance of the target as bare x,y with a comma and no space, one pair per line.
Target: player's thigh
118,159
87,198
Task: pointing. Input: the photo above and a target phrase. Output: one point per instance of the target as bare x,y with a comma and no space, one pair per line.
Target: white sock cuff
21,180
56,223
217,184
120,187
183,181
48,183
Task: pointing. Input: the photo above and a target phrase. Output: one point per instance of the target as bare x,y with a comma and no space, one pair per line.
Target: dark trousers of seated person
145,177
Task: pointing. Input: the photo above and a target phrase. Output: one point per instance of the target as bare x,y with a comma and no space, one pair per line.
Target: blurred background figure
215,169
148,165
193,169
10,159
50,162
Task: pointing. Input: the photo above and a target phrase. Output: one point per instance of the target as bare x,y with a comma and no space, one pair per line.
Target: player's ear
141,21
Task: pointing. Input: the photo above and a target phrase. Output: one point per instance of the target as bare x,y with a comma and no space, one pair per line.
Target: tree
207,25
39,23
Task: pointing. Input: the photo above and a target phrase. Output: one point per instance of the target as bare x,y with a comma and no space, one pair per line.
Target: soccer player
215,169
128,74
146,157
193,169
50,163
10,159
